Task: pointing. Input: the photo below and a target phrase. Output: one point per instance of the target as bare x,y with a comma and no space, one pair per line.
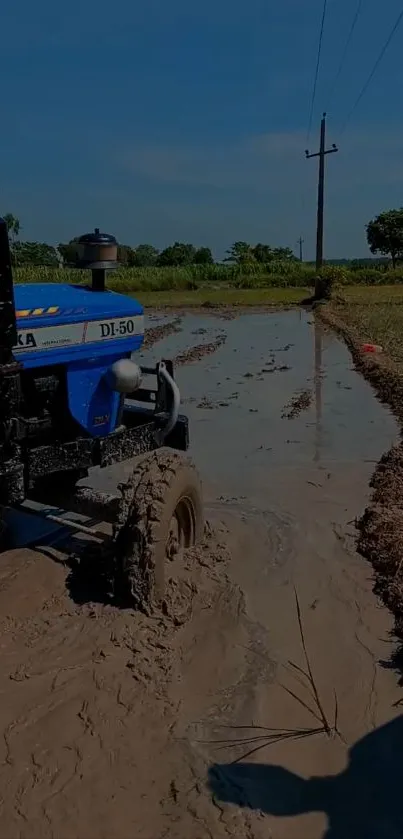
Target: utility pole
300,243
321,189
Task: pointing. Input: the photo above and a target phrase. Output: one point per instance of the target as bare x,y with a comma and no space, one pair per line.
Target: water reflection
318,374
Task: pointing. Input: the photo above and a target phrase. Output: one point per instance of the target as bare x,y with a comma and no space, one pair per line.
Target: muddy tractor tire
161,515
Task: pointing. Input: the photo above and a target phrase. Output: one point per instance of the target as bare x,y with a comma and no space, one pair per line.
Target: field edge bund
380,528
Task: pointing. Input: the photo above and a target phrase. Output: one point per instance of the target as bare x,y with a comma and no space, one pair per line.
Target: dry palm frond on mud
263,736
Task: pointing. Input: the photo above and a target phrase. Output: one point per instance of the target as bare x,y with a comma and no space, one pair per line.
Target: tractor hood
55,304
57,324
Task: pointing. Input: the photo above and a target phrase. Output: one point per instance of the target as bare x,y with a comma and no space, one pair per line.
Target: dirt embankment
381,531
381,526
380,371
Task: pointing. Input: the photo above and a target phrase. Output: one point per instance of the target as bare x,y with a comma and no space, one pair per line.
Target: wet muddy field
237,394
115,725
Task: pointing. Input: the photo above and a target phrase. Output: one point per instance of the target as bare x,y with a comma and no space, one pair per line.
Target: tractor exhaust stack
98,252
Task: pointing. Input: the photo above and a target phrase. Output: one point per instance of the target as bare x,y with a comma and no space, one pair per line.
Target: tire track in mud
82,684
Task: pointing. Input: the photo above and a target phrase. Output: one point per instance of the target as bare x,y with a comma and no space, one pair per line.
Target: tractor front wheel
161,515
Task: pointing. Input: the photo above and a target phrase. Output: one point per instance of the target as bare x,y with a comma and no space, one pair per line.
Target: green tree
203,256
177,254
35,253
68,252
240,252
262,253
385,234
125,255
283,254
145,256
13,227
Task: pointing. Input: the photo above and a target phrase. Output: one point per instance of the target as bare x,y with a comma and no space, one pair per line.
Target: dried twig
278,736
270,736
301,702
312,682
297,735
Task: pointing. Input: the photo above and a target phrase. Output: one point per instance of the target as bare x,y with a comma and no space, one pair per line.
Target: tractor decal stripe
33,313
73,334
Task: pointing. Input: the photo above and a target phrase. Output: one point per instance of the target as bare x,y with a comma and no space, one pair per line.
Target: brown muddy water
235,398
286,436
287,491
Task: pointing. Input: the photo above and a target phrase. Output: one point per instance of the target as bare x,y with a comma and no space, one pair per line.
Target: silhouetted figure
363,802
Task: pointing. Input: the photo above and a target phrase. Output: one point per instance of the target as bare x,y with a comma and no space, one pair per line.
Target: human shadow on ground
365,801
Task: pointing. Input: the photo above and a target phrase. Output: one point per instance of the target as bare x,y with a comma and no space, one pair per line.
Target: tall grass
188,278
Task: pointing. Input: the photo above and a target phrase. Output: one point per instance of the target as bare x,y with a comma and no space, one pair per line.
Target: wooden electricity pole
300,242
321,190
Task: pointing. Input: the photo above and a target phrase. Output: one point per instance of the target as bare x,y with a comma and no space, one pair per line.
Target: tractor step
36,523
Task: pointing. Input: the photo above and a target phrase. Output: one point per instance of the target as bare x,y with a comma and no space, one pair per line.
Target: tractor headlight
124,376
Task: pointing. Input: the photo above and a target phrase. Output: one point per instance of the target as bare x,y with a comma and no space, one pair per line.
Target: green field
186,278
374,295
286,274
223,296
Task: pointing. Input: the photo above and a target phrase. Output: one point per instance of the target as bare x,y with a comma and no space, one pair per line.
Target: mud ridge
300,402
381,532
224,311
198,352
157,333
380,528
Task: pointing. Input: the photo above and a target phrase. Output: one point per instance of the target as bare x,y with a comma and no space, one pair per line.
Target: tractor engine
41,407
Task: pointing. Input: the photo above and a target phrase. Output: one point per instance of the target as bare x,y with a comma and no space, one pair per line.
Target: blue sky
168,120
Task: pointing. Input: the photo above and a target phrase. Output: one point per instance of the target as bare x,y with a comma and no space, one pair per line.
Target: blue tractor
72,398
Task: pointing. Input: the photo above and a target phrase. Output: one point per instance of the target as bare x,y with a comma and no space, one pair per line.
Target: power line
315,81
373,71
345,51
